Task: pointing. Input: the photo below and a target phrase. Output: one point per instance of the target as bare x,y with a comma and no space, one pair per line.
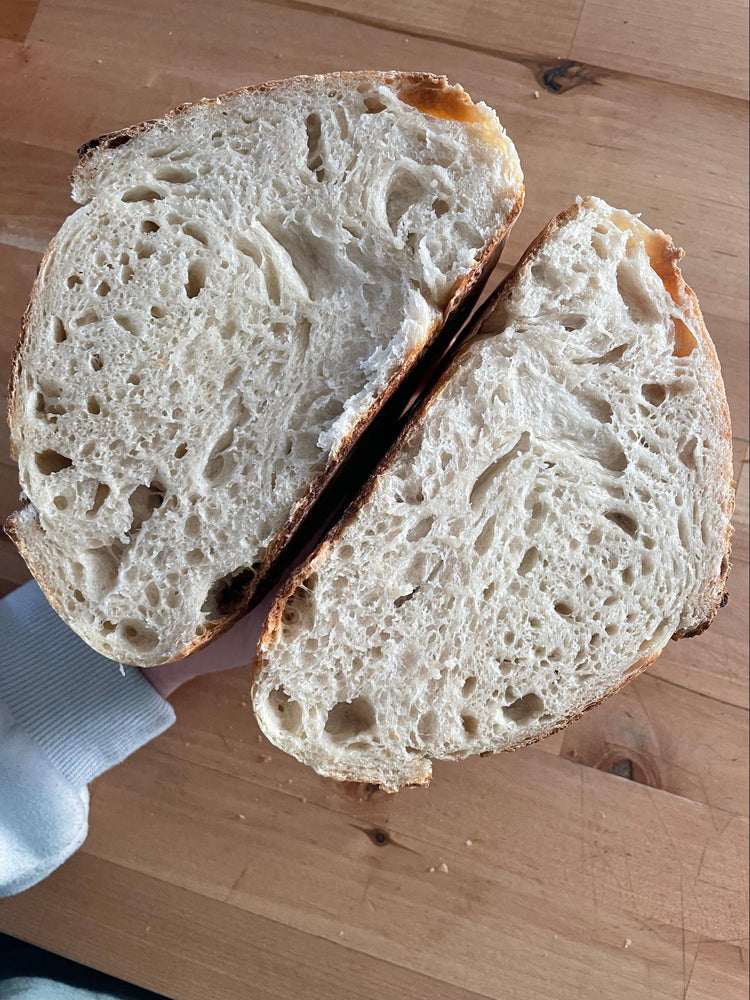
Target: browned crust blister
667,268
431,86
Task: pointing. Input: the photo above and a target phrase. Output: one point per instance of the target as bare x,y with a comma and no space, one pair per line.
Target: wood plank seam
385,823
702,694
470,994
543,65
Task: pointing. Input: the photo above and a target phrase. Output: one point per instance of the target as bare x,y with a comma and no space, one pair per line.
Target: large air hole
149,226
564,609
470,725
610,358
102,492
684,532
405,190
49,462
349,719
246,248
493,471
684,341
420,530
654,393
623,521
127,323
144,500
220,462
196,232
103,569
524,710
599,408
485,538
373,105
174,175
228,592
427,726
469,686
287,712
89,317
161,151
196,278
687,453
138,635
298,608
314,157
59,333
530,559
613,458
638,304
142,193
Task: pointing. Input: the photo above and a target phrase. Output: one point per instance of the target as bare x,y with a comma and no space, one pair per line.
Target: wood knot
623,769
564,75
632,768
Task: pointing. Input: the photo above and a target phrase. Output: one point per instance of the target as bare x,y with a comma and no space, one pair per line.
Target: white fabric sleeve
66,715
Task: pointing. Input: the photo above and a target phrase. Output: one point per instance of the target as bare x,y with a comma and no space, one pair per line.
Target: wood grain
694,44
611,860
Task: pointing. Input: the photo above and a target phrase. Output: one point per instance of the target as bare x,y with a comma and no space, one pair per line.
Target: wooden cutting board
611,860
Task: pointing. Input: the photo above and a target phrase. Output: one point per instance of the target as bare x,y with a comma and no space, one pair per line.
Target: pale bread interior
559,512
243,281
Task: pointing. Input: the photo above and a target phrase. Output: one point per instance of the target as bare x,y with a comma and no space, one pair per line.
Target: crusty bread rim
669,255
462,297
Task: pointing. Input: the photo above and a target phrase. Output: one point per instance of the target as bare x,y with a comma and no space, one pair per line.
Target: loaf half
246,282
559,510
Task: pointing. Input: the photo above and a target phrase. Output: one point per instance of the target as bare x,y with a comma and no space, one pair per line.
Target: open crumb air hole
348,719
288,713
524,710
50,462
227,593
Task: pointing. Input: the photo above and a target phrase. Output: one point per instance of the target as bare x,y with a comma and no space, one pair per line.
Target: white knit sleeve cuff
86,712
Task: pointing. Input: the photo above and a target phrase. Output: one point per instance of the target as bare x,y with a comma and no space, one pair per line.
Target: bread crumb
469,843
264,758
431,868
536,95
289,781
304,800
243,704
628,942
241,816
442,867
341,933
259,738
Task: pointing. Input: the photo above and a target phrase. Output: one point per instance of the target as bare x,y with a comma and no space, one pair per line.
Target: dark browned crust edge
671,254
453,314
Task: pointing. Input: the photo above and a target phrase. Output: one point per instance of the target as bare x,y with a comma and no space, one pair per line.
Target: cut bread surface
245,282
556,514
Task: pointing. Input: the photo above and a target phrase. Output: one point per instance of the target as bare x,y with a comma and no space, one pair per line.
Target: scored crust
664,257
427,92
